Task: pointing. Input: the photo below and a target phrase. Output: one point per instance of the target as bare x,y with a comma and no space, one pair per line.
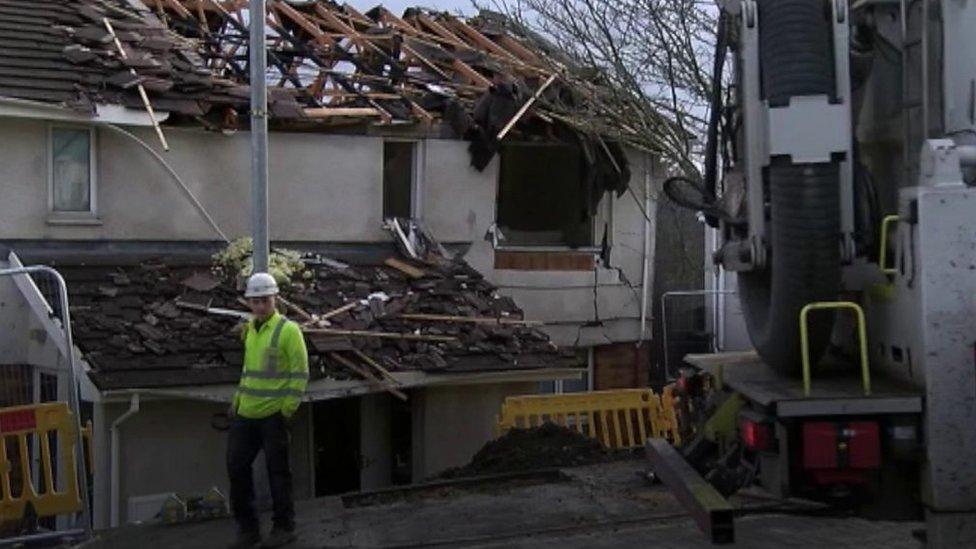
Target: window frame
595,236
80,215
418,158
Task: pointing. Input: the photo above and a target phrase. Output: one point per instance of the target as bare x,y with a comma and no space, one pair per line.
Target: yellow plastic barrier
619,419
53,425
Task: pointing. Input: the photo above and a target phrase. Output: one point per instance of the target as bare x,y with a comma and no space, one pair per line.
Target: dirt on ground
537,448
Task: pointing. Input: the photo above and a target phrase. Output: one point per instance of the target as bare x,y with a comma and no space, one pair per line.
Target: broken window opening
543,200
72,175
399,179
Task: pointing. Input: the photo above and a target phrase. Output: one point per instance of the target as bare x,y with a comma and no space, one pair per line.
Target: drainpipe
647,250
116,493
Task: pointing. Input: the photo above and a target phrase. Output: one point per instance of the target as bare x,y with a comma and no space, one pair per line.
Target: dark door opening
401,432
337,443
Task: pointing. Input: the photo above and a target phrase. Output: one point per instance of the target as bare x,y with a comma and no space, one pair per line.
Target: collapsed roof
155,325
61,52
328,65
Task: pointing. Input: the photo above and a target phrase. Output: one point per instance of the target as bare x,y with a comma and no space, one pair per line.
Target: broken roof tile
134,330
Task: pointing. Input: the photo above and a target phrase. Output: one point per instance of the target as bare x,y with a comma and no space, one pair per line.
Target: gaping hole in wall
398,178
542,196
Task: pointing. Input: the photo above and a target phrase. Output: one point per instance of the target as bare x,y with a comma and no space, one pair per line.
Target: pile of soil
542,447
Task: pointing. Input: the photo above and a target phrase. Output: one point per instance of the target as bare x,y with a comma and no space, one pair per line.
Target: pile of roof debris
548,445
154,325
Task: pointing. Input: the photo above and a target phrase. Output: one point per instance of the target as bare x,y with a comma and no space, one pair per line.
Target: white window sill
546,248
75,219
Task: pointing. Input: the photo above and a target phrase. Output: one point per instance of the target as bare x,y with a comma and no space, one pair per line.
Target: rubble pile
154,325
549,445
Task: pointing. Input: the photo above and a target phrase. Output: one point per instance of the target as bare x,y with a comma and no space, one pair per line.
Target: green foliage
237,261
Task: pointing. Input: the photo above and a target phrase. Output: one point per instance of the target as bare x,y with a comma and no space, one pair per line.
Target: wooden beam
405,268
387,17
442,32
304,22
376,365
423,60
333,112
423,317
472,75
361,18
178,8
302,313
513,45
351,33
342,94
420,112
142,90
525,108
338,311
480,40
367,375
382,335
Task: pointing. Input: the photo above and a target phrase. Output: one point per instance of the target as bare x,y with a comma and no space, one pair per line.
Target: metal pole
259,137
74,394
925,70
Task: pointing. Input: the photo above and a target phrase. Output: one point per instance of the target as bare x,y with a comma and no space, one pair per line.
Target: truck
844,212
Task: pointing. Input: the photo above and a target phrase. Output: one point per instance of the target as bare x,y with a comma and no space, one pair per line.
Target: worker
272,383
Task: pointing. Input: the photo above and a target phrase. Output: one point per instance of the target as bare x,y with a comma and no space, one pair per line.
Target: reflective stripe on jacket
275,370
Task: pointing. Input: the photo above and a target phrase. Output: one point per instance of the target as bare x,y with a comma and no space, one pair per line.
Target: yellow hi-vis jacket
275,369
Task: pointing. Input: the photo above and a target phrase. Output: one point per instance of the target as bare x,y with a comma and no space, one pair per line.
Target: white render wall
459,204
328,188
169,446
322,187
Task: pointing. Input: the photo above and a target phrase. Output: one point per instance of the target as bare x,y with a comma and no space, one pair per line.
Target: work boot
246,540
279,537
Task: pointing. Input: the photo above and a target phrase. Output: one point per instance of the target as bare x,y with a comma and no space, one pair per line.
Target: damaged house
474,217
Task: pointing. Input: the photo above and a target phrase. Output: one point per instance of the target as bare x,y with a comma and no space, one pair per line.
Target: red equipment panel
844,445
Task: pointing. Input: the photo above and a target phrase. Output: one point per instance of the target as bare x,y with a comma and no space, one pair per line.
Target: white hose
189,194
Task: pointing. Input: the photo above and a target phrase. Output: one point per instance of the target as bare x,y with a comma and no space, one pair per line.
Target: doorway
336,429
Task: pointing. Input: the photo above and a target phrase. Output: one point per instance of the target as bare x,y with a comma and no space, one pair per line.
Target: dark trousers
248,437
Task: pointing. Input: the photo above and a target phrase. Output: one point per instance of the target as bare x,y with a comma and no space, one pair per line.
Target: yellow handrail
861,332
883,253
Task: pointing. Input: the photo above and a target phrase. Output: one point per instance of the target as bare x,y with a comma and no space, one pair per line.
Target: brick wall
620,366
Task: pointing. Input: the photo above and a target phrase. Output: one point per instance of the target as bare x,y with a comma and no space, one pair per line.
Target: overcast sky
397,6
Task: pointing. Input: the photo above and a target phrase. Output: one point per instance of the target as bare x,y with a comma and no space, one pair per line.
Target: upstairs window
399,178
72,181
542,198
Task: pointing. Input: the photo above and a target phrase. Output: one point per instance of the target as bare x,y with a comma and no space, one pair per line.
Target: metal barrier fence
713,338
42,472
619,419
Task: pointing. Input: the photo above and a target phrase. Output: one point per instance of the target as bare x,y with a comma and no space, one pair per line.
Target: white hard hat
260,285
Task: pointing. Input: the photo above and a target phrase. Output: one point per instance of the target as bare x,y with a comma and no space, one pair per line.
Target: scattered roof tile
135,328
